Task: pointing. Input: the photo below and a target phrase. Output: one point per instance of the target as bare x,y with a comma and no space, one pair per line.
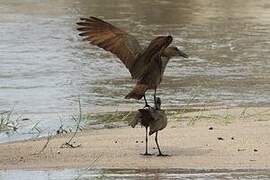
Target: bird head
158,103
174,51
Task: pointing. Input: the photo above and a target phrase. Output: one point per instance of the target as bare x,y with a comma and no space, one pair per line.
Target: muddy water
44,66
70,174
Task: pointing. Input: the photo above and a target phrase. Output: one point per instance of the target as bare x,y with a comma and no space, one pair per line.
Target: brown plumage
154,118
145,65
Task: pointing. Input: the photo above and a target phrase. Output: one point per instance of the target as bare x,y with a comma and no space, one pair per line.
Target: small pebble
255,150
115,142
137,141
211,128
141,141
58,152
220,138
232,138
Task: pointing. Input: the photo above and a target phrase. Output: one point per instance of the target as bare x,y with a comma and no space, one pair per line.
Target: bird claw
163,155
147,106
147,154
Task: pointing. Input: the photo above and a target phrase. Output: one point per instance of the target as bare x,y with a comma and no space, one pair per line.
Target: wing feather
110,38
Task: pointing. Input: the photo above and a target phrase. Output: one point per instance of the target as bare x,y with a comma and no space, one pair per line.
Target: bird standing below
155,119
146,65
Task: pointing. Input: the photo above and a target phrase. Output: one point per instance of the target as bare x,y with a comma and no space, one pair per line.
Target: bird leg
146,104
159,151
155,98
146,143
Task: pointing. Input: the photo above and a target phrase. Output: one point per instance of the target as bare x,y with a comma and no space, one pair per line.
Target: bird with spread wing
146,65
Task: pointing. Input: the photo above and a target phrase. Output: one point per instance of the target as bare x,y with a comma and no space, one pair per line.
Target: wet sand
235,138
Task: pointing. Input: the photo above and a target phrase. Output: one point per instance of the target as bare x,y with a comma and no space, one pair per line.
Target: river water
44,65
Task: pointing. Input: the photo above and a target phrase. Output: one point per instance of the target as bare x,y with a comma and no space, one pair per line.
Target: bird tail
137,92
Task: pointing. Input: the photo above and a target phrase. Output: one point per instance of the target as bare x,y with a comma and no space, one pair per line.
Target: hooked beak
180,53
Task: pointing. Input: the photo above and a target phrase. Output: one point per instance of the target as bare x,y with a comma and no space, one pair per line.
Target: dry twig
78,122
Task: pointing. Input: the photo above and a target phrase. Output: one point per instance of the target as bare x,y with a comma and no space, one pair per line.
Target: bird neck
157,106
166,54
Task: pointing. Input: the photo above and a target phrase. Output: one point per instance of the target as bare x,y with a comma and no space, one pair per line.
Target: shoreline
239,139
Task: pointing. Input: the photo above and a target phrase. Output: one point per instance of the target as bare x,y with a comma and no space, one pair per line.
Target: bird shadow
192,151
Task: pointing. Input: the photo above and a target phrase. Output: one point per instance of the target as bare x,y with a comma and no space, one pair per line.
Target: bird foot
163,155
147,154
146,106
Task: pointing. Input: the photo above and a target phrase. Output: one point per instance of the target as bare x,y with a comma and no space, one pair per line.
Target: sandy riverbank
244,143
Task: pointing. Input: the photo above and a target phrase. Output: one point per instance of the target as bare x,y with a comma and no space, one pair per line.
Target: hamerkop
155,119
146,65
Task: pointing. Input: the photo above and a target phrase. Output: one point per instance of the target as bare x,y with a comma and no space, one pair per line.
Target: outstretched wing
159,121
110,38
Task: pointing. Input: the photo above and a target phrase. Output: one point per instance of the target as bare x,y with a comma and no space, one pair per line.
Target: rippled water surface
44,65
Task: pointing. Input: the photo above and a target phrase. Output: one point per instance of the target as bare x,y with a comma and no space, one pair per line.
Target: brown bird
155,119
146,65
